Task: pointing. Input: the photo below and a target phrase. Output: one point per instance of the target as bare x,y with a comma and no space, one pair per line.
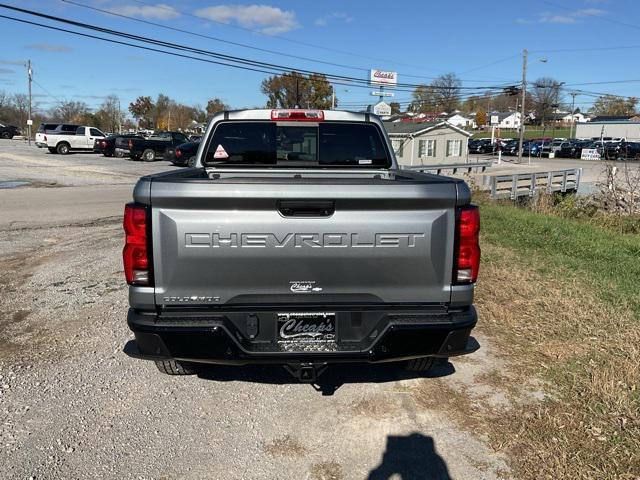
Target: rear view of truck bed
300,266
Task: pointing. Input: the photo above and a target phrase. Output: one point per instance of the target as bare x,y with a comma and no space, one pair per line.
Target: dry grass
554,325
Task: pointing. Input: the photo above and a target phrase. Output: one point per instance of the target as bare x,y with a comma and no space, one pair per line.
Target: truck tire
174,367
191,162
52,150
419,364
148,155
6,135
63,148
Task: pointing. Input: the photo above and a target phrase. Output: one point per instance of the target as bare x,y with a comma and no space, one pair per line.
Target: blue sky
419,39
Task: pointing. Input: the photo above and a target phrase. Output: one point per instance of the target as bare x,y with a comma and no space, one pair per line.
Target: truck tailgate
282,241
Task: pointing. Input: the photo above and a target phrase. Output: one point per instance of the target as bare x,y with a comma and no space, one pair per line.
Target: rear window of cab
293,144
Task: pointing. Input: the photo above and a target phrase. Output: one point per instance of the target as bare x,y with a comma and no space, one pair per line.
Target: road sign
29,122
590,154
382,77
494,120
382,109
382,94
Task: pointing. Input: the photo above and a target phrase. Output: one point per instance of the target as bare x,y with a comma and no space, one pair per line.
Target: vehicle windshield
297,144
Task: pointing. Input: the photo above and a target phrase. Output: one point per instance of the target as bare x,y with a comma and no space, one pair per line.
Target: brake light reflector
135,254
467,255
178,153
130,144
298,115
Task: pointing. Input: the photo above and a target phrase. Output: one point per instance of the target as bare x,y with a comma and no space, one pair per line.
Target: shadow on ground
331,380
410,457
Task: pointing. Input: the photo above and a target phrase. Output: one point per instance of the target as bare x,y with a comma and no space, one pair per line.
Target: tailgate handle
306,208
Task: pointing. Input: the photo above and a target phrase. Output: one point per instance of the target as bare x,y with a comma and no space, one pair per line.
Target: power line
258,66
244,45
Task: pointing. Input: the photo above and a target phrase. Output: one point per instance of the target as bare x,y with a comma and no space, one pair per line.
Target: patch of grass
608,262
560,299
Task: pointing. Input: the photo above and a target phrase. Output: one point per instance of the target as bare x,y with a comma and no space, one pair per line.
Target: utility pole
333,97
29,120
524,96
573,118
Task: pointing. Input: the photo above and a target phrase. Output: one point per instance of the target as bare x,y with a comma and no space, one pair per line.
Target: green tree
214,106
141,110
291,90
614,105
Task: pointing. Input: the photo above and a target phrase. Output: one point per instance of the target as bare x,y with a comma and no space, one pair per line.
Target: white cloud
160,11
324,20
570,18
267,19
49,47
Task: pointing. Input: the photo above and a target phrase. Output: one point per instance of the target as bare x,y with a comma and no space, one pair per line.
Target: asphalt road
72,405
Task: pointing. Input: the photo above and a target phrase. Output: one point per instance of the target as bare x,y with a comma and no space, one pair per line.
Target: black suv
8,131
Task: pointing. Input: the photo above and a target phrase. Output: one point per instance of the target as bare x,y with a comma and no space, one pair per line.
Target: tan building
428,143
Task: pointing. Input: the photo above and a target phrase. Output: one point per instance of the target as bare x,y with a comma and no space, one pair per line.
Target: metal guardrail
454,167
527,184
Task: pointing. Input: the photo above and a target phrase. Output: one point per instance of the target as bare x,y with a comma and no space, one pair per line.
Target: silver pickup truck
297,240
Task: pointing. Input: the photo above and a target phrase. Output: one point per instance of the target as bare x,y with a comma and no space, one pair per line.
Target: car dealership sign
383,77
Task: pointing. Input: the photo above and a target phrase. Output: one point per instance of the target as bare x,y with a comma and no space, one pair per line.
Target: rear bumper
219,338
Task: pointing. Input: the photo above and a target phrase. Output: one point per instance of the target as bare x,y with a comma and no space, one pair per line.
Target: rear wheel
62,148
148,155
191,162
419,364
174,367
6,135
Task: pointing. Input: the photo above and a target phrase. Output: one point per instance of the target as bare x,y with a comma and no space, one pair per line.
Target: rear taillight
467,255
130,144
178,153
103,144
298,115
137,267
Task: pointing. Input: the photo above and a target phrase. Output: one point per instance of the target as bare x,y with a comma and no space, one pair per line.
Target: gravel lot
72,405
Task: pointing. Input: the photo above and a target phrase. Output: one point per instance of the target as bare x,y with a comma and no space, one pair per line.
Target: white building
505,119
428,143
461,121
629,130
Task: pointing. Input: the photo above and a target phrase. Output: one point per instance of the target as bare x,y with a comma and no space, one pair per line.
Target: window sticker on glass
220,152
365,162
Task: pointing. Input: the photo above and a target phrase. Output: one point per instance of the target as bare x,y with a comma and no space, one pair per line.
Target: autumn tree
214,106
291,90
141,110
614,105
481,117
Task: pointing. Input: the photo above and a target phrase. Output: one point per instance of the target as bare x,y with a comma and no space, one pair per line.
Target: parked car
107,145
483,145
572,149
510,147
42,129
66,138
155,147
195,138
275,266
531,148
554,147
8,131
183,155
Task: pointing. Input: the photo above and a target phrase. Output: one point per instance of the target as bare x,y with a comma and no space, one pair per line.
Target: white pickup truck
66,138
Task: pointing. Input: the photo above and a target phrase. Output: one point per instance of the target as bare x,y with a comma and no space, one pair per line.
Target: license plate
307,327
